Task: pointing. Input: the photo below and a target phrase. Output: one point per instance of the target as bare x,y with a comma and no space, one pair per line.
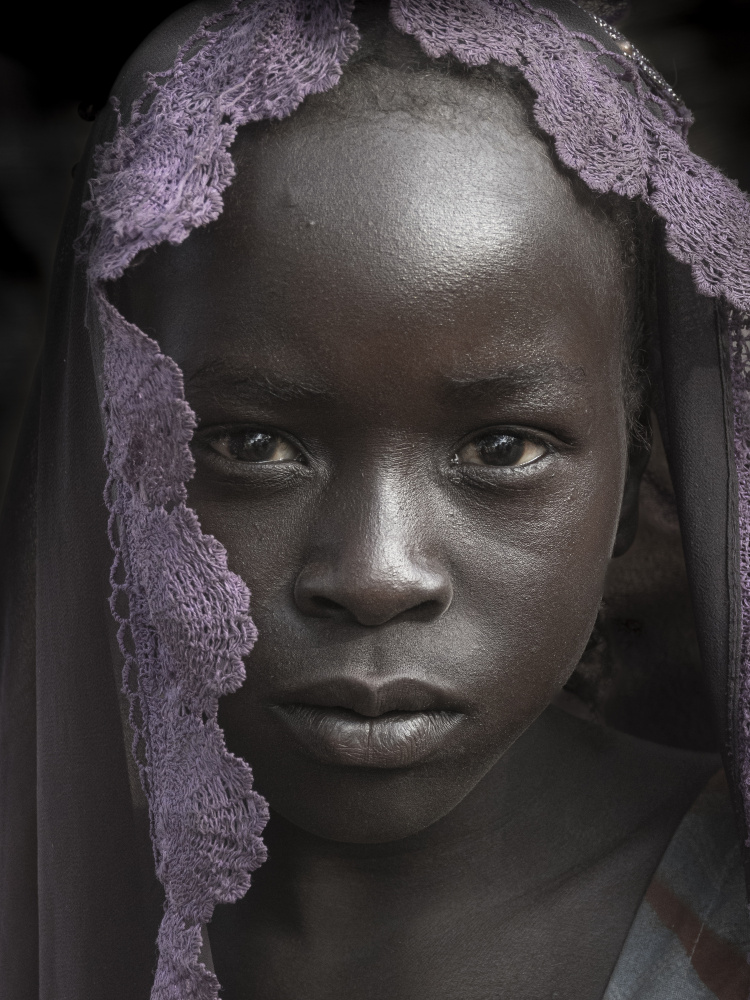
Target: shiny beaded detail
653,79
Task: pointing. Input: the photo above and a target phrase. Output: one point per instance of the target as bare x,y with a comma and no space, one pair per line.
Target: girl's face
403,342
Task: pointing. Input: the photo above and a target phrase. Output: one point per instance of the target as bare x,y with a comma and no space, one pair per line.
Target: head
409,342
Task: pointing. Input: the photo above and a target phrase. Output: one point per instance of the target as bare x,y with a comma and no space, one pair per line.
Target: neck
531,853
501,830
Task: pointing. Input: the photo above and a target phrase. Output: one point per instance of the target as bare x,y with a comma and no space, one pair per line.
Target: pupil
501,449
255,446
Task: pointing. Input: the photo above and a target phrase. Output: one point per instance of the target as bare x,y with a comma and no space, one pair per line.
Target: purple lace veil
112,768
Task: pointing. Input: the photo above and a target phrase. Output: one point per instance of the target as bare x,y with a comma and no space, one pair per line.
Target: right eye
255,446
502,449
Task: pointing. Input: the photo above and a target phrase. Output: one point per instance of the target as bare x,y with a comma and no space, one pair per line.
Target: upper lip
373,698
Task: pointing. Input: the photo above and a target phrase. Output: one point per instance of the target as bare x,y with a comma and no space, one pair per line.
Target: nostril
425,612
324,607
326,604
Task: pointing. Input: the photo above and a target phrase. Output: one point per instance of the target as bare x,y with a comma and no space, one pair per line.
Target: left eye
499,448
255,446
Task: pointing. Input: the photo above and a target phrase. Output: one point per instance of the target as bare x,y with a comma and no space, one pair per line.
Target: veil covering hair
79,901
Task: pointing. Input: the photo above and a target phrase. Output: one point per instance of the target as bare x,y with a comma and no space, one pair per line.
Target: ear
639,453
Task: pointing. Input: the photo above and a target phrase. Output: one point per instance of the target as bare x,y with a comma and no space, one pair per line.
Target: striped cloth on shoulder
691,935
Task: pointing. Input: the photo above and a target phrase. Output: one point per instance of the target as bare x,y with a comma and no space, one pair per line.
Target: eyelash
209,439
523,436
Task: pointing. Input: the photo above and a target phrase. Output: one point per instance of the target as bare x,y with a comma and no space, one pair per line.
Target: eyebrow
545,376
220,379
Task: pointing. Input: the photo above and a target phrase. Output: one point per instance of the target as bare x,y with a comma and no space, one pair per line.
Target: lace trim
186,628
615,129
607,124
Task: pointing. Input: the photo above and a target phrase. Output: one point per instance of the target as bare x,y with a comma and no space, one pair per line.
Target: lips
395,724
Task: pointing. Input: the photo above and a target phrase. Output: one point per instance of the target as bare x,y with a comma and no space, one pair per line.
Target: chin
360,805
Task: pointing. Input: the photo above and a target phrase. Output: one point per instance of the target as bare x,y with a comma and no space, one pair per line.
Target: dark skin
413,445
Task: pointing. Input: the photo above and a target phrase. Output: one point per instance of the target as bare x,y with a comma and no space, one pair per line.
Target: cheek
266,534
529,581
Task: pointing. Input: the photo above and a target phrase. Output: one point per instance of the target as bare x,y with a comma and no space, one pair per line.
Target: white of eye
500,449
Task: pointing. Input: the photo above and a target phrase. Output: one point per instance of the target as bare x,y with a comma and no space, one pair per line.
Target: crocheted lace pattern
184,624
186,627
607,124
619,134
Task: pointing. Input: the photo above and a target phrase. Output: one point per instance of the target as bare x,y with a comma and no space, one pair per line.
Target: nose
373,563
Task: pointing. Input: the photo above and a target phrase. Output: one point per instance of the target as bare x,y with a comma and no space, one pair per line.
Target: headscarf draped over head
79,905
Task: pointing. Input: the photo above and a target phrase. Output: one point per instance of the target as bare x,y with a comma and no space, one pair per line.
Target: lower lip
397,739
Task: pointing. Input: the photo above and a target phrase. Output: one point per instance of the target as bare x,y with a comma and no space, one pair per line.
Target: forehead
387,228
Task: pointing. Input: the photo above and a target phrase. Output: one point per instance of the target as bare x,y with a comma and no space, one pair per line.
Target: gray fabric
691,933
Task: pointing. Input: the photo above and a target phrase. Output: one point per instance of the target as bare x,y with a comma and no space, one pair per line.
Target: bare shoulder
638,778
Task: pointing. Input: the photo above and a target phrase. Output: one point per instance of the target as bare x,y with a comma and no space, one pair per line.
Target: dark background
67,56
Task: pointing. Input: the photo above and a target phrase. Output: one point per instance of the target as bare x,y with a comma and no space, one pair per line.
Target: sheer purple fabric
186,628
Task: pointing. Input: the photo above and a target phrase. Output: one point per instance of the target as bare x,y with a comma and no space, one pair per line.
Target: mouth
393,725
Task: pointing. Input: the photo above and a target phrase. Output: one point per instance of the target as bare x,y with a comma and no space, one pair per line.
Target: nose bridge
389,526
375,558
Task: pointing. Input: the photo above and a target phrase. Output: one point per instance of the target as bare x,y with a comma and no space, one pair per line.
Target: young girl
387,367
